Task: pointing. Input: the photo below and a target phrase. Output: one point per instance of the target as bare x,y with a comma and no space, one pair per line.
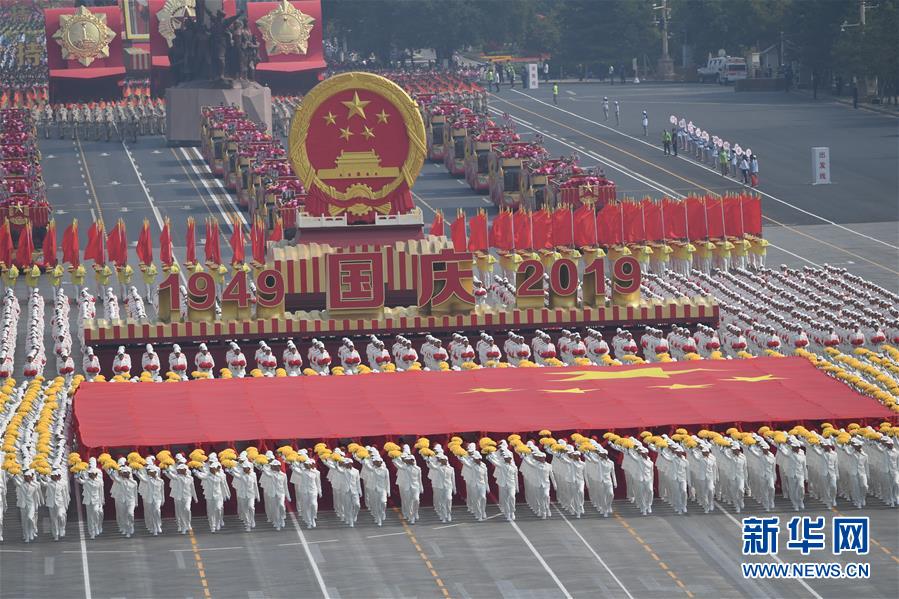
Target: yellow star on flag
676,386
489,390
637,373
367,132
346,133
754,379
576,390
356,106
382,116
329,119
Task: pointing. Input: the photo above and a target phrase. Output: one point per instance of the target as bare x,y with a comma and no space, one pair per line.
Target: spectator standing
645,124
556,94
611,75
674,138
754,170
744,169
545,72
618,115
490,77
734,161
666,142
722,161
855,95
605,106
511,77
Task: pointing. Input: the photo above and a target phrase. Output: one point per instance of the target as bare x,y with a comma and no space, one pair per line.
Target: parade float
23,196
585,188
479,143
535,189
505,164
456,136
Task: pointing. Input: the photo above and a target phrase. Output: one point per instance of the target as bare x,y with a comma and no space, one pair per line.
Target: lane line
305,544
540,559
873,540
206,549
596,555
308,542
447,526
86,574
693,162
193,184
228,217
90,182
424,203
653,555
421,553
224,190
201,570
776,558
706,189
389,534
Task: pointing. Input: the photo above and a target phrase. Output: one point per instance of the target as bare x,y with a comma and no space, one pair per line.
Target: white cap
176,348
121,350
203,347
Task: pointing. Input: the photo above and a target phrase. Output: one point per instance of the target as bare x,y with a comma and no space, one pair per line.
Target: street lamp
665,64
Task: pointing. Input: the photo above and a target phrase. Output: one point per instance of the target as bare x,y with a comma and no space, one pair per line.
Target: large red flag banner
701,393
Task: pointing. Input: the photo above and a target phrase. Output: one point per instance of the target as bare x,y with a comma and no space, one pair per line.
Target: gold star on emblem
286,30
576,390
638,373
754,379
368,133
329,118
346,133
677,386
84,36
356,106
489,390
382,116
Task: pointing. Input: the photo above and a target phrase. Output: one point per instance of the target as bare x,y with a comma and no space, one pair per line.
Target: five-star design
604,375
676,386
754,379
576,390
329,118
367,132
346,133
382,116
489,390
356,106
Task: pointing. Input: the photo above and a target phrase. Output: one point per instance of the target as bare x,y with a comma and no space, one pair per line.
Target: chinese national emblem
357,142
172,15
84,36
286,30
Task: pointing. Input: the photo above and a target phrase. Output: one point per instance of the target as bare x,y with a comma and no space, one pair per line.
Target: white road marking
493,516
49,156
389,534
540,559
104,154
15,551
48,566
424,203
693,162
84,567
204,549
447,526
156,152
776,558
104,551
308,543
114,182
315,570
596,555
179,558
567,91
224,190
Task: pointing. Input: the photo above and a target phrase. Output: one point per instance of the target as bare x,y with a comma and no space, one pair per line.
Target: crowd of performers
708,469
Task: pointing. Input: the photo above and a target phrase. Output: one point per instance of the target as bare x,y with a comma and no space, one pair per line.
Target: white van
723,69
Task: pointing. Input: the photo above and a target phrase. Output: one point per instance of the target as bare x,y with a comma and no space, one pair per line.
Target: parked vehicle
723,70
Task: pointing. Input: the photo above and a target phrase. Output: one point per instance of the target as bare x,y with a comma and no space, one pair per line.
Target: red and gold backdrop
357,142
106,66
284,25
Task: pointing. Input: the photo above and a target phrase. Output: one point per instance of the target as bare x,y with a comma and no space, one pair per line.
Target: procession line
86,174
84,567
713,193
776,558
652,554
540,559
421,553
237,210
595,554
693,162
201,570
873,540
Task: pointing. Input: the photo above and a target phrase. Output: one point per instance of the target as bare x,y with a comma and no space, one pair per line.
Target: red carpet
693,394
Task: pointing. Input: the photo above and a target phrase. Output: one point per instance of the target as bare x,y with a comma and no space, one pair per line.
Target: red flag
457,233
237,243
521,224
733,217
541,222
49,247
437,227
608,225
278,231
477,236
675,214
6,247
652,218
145,245
257,241
117,245
696,219
95,244
633,222
501,231
26,247
191,241
562,227
166,255
584,226
752,214
213,249
715,213
70,252
112,244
